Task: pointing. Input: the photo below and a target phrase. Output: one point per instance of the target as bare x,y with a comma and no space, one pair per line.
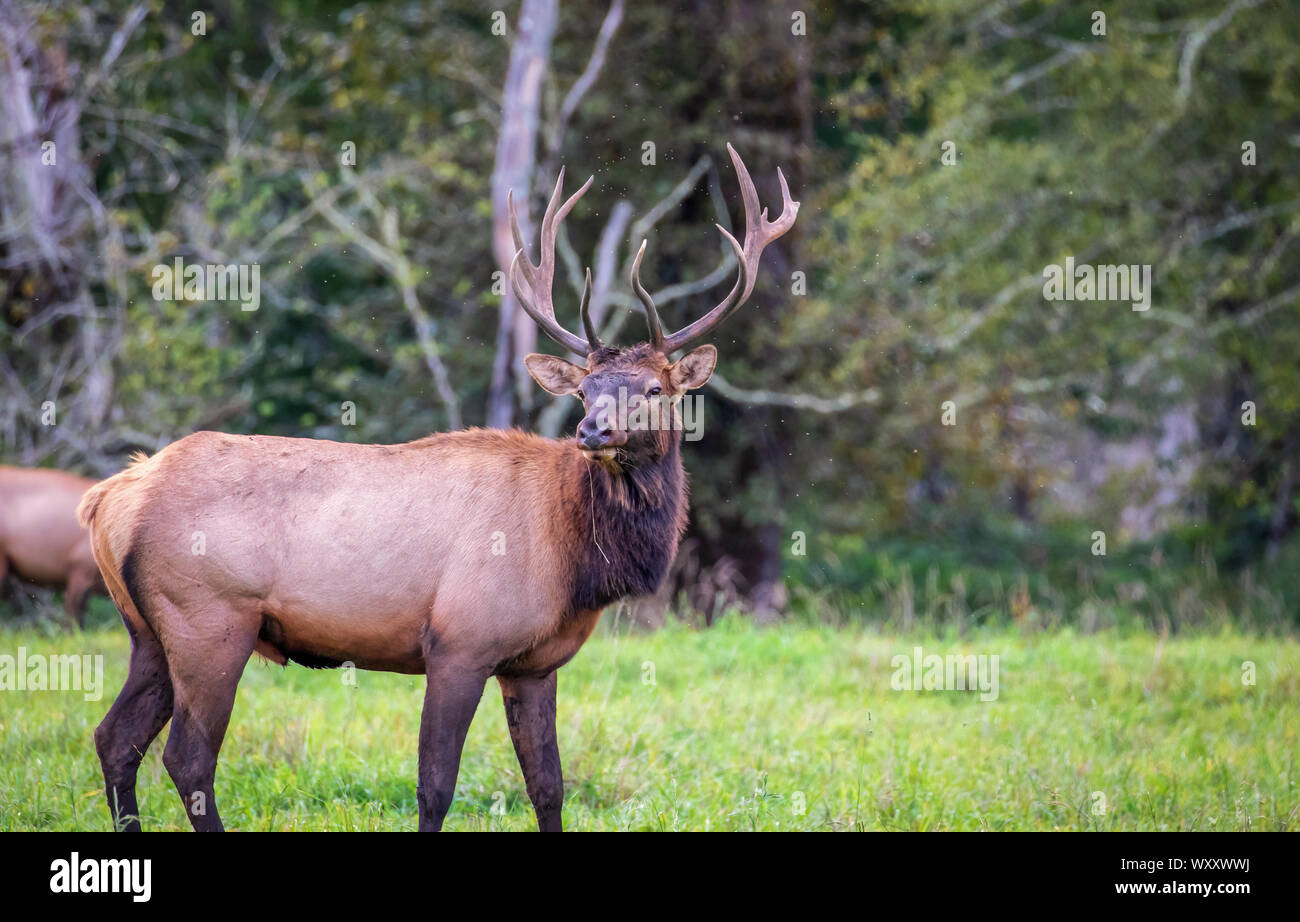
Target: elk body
459,556
40,540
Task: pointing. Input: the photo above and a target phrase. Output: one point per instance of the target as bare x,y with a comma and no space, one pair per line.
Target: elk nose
593,434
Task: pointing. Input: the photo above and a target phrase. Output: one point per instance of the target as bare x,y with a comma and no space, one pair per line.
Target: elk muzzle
597,434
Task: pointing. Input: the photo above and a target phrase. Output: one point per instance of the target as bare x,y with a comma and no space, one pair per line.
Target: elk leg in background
76,594
530,714
450,699
141,710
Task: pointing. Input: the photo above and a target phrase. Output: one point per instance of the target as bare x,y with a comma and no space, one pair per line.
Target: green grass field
734,727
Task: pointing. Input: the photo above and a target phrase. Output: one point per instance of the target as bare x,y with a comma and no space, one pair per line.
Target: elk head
615,382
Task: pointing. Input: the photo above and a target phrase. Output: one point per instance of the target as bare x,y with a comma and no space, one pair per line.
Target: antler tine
535,293
734,299
651,312
744,278
520,246
593,338
545,319
759,232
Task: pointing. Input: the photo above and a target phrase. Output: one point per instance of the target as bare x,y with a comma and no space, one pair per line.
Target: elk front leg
450,699
530,714
4,582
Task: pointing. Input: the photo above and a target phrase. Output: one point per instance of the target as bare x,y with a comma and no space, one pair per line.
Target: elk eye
654,391
581,394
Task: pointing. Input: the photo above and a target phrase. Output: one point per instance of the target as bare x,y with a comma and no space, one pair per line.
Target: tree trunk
45,191
515,160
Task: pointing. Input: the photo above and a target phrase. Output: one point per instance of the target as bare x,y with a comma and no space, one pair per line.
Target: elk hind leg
141,710
205,674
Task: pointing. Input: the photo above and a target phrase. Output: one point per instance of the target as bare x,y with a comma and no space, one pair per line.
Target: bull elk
458,556
40,540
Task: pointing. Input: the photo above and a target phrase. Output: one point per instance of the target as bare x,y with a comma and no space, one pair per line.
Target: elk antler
759,232
651,312
535,293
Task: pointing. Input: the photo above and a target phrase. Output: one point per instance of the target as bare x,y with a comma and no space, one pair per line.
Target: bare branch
1196,41
390,257
671,200
589,74
837,404
116,45
1255,313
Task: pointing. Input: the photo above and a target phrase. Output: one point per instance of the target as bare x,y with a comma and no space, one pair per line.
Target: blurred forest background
944,153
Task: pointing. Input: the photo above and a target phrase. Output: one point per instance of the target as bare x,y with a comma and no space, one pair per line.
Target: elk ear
555,375
693,369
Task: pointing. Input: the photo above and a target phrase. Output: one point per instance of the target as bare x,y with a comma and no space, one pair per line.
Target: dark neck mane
628,523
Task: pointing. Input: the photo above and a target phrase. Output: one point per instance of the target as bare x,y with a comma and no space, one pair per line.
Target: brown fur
40,539
460,556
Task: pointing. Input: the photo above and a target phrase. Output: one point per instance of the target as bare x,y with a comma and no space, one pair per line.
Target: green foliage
924,279
978,573
1066,143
